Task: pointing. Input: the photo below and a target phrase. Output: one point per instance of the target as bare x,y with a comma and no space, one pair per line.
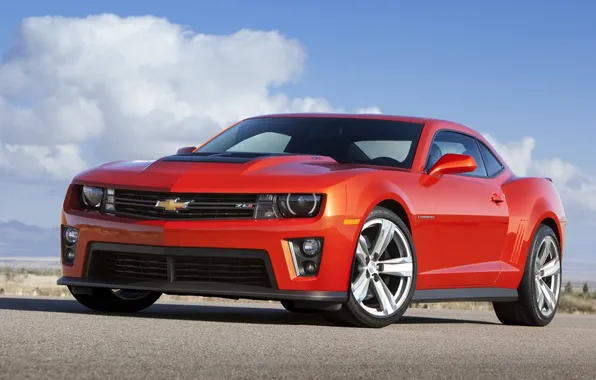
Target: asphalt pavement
52,338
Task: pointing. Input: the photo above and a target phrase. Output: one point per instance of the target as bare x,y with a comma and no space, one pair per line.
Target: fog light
306,254
309,267
69,255
310,247
71,235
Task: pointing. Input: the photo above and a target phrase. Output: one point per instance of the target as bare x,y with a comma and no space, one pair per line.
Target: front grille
143,205
110,265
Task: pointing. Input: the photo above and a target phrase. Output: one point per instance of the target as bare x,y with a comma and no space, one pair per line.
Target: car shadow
206,313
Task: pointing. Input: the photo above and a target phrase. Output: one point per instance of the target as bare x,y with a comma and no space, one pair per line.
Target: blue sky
511,68
508,68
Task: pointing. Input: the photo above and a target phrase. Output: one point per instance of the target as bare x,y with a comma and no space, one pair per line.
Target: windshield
346,140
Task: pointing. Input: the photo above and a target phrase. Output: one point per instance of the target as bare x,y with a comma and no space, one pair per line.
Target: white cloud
369,110
75,92
78,91
35,162
574,185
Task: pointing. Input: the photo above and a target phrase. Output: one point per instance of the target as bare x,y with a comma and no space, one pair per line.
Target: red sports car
351,216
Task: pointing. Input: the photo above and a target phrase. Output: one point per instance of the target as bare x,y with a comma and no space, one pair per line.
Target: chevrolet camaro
354,217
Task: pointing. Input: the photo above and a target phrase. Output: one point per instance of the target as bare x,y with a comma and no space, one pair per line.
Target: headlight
92,196
299,205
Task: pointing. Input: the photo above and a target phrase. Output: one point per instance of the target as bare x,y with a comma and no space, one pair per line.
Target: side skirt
466,295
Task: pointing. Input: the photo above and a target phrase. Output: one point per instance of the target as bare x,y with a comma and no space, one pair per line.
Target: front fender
365,192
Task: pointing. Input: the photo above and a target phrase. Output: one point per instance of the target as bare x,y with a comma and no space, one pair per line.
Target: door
469,223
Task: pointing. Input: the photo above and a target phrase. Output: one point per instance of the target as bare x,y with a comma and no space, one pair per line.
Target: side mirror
451,163
186,150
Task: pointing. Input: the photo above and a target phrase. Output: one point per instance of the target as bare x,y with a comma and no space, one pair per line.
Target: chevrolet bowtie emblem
172,204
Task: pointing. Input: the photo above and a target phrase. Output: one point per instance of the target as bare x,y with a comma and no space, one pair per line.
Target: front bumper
253,279
197,241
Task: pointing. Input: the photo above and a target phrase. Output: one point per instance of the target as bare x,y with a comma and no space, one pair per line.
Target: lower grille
132,266
107,265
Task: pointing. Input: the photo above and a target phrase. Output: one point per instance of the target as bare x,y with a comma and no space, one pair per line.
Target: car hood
221,173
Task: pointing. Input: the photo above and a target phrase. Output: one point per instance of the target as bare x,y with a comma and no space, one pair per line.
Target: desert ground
576,298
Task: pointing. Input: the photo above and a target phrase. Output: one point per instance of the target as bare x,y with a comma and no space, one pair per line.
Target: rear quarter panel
531,201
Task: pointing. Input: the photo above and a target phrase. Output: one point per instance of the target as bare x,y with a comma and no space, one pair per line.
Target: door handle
497,199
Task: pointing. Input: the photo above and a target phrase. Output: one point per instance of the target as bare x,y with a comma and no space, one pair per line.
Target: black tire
105,300
289,306
351,313
525,311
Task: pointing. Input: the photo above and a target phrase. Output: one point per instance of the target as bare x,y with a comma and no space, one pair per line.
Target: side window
493,165
453,142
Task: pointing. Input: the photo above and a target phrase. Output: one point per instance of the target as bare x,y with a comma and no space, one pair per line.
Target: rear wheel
116,300
540,287
383,276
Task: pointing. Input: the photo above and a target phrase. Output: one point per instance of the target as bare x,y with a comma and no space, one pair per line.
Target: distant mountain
22,240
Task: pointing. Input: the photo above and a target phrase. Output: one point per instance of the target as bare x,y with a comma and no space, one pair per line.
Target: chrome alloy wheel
382,274
547,277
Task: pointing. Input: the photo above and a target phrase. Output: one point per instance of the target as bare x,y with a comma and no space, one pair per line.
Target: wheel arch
551,222
374,188
393,202
397,208
363,199
548,218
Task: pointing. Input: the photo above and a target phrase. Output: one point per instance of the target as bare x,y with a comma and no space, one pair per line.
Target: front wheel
383,277
116,300
540,287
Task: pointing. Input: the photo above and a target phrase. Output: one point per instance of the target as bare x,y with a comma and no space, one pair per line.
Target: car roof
347,116
433,123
